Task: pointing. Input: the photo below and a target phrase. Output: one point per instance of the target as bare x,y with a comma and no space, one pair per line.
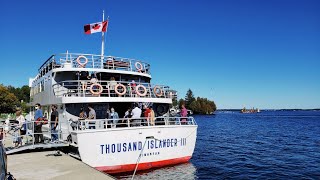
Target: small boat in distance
247,111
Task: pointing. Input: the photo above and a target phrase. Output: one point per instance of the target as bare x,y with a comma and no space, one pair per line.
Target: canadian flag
96,27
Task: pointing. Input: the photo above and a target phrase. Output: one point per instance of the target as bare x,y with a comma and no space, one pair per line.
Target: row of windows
39,87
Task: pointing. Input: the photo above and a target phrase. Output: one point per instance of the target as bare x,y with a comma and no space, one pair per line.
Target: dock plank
43,165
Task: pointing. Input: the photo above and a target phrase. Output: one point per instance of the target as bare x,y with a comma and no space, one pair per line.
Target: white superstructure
118,83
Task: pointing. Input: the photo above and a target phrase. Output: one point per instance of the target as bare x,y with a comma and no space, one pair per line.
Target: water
268,145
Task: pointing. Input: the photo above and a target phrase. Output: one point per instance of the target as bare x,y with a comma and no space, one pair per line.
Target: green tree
8,100
203,106
189,98
181,101
174,102
25,93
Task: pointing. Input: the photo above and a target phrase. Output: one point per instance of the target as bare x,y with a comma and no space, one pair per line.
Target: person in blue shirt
38,136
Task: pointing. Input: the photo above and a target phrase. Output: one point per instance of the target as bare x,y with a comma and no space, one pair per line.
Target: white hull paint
117,150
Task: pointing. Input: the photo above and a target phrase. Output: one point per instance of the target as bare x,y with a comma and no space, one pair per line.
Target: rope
138,160
140,155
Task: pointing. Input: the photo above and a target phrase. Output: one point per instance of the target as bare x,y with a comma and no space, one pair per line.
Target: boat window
100,108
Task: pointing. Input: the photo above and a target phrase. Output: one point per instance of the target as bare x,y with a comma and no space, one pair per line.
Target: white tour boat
119,83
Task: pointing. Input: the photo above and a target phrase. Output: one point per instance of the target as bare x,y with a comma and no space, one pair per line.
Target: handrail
99,124
65,60
14,131
92,125
85,88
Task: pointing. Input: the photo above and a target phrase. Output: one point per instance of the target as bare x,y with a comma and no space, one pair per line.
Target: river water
266,145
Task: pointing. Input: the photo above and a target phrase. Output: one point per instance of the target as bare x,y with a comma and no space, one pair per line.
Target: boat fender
144,90
139,66
116,89
80,63
158,94
96,92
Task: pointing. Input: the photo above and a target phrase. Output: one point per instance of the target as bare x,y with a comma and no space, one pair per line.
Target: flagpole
102,44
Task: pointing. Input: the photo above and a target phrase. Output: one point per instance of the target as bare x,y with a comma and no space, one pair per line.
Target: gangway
42,146
29,143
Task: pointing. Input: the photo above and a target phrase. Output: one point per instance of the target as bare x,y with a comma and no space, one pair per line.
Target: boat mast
102,44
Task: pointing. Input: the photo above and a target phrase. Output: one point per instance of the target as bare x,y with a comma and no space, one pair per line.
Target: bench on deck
117,64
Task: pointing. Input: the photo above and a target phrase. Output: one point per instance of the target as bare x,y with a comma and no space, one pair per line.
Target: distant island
197,105
316,109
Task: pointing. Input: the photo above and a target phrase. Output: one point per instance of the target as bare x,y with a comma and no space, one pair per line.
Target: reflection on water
183,171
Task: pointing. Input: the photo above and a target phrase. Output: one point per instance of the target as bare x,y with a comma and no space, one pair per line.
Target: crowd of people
133,117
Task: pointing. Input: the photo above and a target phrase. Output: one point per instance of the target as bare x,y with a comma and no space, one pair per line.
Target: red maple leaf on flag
96,26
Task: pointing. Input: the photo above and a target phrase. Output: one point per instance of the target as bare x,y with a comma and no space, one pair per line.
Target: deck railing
11,131
82,88
77,60
98,124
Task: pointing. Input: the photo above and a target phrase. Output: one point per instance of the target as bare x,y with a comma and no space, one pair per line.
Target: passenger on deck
128,113
129,90
112,85
79,124
152,116
84,77
94,78
115,117
136,116
146,115
22,124
133,88
54,119
183,113
126,118
38,115
82,115
92,115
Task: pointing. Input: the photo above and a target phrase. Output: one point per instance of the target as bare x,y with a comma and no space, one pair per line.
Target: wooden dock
44,165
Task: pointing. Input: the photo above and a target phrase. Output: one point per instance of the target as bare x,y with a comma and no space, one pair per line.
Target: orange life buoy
123,87
96,92
144,90
157,93
79,62
140,68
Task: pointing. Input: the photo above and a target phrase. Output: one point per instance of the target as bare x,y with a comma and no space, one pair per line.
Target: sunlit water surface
266,145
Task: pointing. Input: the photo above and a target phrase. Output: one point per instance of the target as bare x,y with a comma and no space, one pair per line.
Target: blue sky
238,53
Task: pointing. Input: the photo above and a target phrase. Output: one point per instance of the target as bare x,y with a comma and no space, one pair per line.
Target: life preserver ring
123,87
144,90
79,62
158,94
138,66
96,92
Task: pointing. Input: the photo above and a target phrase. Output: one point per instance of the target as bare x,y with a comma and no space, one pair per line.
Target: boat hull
117,150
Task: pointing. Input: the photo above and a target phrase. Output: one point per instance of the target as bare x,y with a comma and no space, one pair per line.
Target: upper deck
69,61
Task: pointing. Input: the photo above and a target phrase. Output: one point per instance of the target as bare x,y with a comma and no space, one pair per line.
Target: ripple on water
269,145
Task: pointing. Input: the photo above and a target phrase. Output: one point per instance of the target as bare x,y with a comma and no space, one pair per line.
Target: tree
181,101
174,102
25,93
8,100
203,106
189,98
22,93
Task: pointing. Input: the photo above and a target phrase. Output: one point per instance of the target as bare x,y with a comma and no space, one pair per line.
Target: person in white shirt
92,115
21,127
136,115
